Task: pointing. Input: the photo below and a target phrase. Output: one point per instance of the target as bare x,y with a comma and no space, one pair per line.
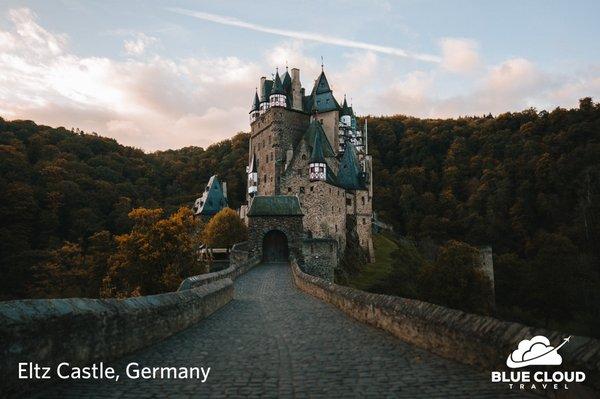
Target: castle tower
255,110
277,97
310,147
317,168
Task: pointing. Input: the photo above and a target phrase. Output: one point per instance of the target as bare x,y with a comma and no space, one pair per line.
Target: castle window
364,221
329,190
301,190
304,157
265,178
363,199
349,201
312,188
289,189
336,229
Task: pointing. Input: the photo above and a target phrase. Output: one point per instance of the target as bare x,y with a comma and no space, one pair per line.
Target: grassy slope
380,269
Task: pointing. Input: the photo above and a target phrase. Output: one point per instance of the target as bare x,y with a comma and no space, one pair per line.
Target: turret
346,114
286,79
317,168
277,98
255,110
264,90
253,176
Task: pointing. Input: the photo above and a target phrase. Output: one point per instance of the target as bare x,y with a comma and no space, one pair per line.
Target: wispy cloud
315,37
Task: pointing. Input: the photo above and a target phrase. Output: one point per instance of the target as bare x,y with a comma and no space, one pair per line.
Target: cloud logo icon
535,351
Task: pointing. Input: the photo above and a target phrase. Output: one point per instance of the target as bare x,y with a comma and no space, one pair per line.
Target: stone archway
275,247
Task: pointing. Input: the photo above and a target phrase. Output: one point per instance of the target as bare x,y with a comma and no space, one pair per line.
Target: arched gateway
275,227
275,247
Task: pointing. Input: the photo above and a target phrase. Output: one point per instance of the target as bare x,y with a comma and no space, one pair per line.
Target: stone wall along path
273,340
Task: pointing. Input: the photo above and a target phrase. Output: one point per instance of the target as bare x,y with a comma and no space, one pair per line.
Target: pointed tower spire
255,111
317,168
277,85
317,151
278,97
256,101
345,109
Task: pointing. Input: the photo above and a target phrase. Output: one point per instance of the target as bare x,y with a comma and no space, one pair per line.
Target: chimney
296,90
261,89
224,186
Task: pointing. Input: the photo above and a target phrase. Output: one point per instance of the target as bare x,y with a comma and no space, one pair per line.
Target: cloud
459,55
515,75
139,44
536,351
160,102
155,103
301,35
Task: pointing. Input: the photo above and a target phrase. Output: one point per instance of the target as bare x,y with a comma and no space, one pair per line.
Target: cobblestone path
274,341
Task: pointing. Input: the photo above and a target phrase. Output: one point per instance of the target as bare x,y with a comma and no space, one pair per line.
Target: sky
159,75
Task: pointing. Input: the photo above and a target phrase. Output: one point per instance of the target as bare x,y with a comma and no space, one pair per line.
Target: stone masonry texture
273,340
472,339
81,331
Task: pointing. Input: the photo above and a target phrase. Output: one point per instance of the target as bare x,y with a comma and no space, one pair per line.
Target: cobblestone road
275,341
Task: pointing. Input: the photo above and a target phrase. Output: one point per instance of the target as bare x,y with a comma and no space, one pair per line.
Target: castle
308,156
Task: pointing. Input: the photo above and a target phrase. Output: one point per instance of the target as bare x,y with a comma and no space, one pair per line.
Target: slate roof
275,205
277,85
266,91
255,103
317,150
350,173
287,82
321,96
346,110
315,128
212,200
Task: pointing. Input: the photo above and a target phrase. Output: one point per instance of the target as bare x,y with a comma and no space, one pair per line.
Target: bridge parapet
240,262
477,340
81,330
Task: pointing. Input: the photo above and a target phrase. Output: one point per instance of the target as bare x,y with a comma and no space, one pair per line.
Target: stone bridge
274,332
273,340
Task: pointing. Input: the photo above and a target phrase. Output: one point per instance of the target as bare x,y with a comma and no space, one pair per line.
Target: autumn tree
156,256
224,229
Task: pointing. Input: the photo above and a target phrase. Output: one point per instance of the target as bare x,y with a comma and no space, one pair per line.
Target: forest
525,183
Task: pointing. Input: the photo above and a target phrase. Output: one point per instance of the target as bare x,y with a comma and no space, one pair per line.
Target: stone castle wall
291,226
276,131
330,121
467,338
320,257
321,203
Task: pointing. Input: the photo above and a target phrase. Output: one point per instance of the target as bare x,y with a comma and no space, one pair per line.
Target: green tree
456,279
